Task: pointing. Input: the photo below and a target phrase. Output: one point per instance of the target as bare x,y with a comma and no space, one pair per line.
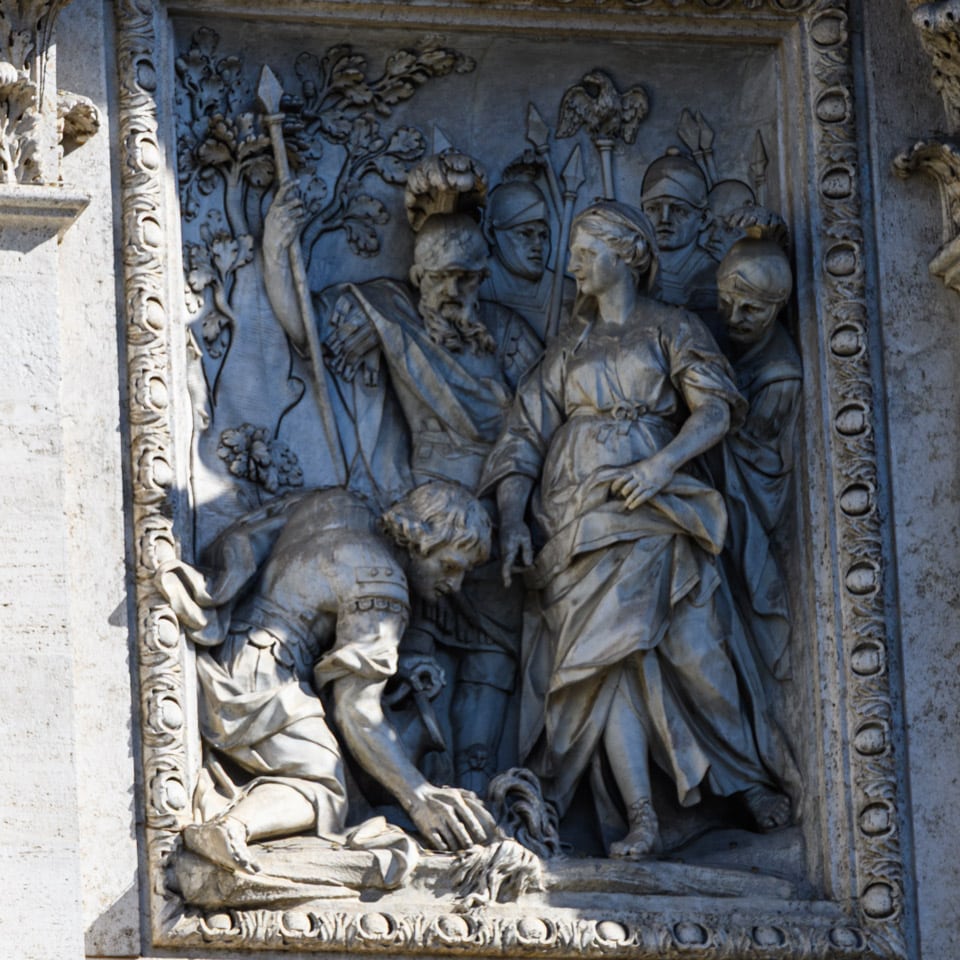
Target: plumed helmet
446,182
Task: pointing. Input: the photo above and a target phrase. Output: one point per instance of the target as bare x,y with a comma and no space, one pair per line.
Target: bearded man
424,377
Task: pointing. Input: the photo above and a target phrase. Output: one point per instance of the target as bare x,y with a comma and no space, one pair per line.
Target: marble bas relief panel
490,387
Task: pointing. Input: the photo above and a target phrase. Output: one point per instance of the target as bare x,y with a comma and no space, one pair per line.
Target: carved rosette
867,880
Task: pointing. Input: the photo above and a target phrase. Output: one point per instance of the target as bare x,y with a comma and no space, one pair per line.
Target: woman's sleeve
698,369
536,413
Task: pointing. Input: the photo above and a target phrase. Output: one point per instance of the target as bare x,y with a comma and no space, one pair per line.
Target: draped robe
628,598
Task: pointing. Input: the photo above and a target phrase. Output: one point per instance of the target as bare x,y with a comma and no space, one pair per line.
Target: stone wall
918,330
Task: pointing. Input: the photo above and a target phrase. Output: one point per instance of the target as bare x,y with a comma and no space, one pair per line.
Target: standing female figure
631,664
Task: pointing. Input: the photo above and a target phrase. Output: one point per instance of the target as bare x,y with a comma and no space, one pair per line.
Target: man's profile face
524,248
677,221
440,573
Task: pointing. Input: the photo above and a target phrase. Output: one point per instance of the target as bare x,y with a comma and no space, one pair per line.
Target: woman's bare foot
644,833
222,841
769,808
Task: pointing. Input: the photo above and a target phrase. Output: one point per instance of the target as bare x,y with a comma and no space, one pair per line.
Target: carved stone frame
859,752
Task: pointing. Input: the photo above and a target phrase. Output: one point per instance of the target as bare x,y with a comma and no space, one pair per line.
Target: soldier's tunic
259,705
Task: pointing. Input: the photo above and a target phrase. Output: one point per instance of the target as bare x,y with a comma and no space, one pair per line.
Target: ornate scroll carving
939,26
161,651
940,160
862,911
79,120
27,29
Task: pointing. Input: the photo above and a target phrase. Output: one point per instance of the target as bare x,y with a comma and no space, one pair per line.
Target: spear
538,134
269,93
689,132
572,177
706,151
759,161
441,141
698,136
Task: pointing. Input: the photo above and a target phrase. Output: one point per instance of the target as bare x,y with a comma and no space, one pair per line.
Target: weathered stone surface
93,434
61,506
72,818
921,342
39,846
369,337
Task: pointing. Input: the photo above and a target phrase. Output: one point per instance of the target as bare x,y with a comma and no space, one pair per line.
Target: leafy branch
211,274
252,453
226,170
221,145
343,104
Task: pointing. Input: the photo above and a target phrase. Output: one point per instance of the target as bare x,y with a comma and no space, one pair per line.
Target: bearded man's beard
456,325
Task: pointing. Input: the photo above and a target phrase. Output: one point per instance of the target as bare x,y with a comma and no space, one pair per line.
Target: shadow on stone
116,932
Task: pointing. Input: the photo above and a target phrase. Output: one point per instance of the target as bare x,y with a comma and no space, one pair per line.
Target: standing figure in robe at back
755,282
517,225
425,375
674,196
631,665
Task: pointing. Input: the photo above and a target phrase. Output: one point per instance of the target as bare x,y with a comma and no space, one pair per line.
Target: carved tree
226,167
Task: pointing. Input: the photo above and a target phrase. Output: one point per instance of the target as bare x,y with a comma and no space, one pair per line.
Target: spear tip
441,141
537,130
269,91
759,156
706,132
688,130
